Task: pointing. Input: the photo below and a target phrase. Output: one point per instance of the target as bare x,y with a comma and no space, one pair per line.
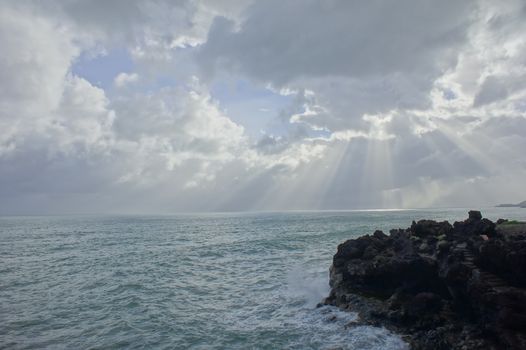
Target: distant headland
518,205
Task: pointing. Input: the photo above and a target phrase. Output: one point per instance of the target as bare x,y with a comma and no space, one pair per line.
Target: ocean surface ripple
214,281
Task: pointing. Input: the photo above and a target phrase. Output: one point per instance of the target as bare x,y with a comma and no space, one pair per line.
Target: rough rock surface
443,286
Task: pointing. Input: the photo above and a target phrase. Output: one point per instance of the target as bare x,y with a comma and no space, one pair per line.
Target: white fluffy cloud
413,103
124,79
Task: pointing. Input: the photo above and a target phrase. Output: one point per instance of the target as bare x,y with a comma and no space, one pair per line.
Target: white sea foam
248,281
311,286
329,327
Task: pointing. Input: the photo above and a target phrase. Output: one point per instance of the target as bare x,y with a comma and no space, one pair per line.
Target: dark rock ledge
441,286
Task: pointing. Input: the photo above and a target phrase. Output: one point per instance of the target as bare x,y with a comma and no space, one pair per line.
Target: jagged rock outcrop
460,286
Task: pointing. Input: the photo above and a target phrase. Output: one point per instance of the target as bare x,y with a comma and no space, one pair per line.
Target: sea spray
218,281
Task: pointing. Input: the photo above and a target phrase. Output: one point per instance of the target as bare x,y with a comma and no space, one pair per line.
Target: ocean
193,281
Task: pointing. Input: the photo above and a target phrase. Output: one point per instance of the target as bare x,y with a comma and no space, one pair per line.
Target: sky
129,106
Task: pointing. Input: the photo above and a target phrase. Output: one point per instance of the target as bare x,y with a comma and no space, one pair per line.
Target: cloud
123,79
356,58
32,68
312,38
42,104
387,104
490,91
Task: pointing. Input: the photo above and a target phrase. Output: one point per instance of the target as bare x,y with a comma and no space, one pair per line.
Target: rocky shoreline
441,286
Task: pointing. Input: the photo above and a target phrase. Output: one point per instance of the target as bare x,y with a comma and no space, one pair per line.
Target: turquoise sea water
212,281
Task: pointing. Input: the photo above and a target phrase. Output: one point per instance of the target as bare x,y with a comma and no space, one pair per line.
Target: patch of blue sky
319,133
151,84
101,70
521,106
254,107
258,109
449,94
283,127
163,81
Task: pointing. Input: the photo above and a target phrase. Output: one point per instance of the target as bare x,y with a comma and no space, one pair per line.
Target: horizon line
188,213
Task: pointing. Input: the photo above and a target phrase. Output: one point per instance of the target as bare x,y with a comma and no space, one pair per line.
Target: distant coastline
518,205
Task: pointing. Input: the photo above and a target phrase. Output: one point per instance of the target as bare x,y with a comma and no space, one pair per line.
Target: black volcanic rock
460,286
